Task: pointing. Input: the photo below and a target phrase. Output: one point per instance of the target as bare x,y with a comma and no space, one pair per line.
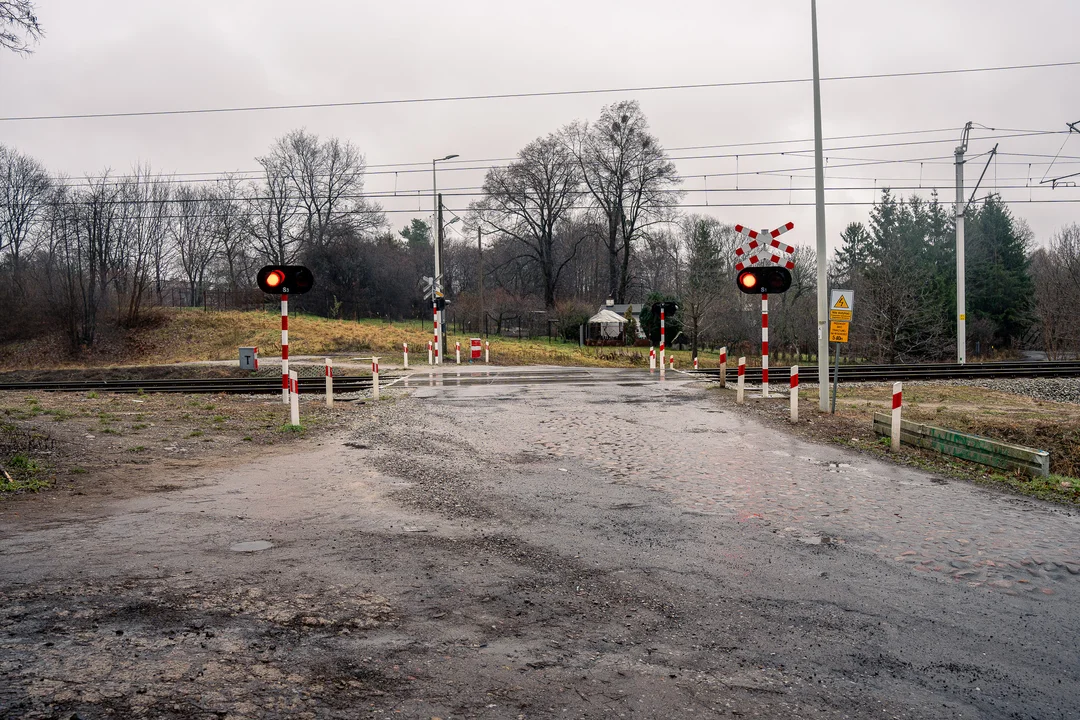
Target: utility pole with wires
961,302
1055,182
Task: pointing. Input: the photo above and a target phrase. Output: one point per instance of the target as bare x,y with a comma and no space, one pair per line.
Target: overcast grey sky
121,55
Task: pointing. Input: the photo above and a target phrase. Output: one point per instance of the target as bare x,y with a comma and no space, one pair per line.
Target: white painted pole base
723,367
329,372
740,388
405,354
695,362
794,393
652,358
374,378
663,361
294,399
487,352
430,359
457,353
671,362
897,404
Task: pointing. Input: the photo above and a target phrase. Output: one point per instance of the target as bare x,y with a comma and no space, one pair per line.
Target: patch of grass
220,418
195,433
60,415
22,474
139,426
287,428
77,470
247,438
137,449
92,395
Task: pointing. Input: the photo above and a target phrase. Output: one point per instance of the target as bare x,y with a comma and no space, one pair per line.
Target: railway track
920,371
235,386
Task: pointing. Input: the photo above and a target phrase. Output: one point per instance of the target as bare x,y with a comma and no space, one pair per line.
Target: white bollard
695,362
374,378
430,360
897,403
671,361
794,393
487,351
652,358
723,367
329,372
457,352
405,354
741,387
294,399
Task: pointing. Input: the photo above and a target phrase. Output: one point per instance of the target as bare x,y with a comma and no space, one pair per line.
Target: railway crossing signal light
669,308
761,280
285,279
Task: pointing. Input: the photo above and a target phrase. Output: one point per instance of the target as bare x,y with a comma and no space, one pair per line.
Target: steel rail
254,386
919,371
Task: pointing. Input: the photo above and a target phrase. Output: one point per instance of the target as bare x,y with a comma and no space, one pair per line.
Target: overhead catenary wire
535,94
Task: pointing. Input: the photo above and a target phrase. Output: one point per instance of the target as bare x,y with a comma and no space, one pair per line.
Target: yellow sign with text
838,332
843,316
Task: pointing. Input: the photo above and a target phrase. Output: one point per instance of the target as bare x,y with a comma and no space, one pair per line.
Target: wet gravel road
610,547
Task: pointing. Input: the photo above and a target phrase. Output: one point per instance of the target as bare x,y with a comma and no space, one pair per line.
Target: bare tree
24,188
144,199
195,244
527,201
230,226
19,26
630,178
272,206
1057,292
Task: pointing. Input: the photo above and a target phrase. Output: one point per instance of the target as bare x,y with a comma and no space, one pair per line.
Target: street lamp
441,339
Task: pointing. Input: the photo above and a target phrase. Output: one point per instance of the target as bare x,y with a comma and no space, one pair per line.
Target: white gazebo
610,324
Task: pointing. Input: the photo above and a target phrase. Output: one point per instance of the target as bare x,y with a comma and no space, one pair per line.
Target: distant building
620,310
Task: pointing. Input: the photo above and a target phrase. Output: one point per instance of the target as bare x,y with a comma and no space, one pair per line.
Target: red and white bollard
741,387
671,362
436,339
405,354
897,404
294,398
764,345
374,378
794,393
285,348
695,362
723,367
457,352
487,351
430,361
329,372
652,358
662,342
256,359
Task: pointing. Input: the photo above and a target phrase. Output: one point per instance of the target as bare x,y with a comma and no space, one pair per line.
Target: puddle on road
251,546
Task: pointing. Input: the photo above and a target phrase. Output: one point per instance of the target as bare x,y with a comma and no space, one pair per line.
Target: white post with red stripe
438,337
740,388
794,393
430,360
405,354
662,341
723,367
671,361
256,359
652,358
897,404
329,372
285,348
695,362
457,352
374,378
764,345
487,351
294,398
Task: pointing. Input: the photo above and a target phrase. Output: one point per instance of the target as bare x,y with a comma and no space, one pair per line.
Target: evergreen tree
999,286
852,255
650,321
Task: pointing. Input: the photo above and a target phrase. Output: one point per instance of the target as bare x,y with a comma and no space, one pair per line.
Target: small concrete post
457,352
794,393
487,351
256,359
405,354
671,361
430,360
294,399
329,372
897,403
723,367
695,362
741,387
374,378
652,358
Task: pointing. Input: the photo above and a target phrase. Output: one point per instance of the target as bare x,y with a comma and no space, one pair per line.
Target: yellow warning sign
838,332
840,316
841,303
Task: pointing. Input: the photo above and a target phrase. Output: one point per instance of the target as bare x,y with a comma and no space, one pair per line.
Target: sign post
751,253
841,304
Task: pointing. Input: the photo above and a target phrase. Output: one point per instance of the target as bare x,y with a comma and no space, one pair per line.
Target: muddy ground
617,550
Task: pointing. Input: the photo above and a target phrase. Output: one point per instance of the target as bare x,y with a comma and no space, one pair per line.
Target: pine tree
999,286
851,257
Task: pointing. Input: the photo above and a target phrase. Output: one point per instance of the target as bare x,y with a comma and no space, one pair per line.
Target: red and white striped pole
405,354
662,340
723,367
285,348
652,358
897,404
374,378
435,341
294,398
487,351
457,352
329,372
740,388
794,393
256,359
765,345
671,361
430,361
695,362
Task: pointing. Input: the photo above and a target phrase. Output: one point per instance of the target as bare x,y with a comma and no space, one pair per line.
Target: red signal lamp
762,280
274,278
285,279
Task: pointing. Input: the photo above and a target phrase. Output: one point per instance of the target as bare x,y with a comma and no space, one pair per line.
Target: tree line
584,213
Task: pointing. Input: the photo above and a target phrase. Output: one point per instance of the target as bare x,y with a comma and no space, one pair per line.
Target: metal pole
661,342
822,257
836,375
961,298
480,254
285,348
764,345
442,313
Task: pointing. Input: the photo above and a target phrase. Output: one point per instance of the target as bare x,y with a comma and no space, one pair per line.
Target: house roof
621,308
607,316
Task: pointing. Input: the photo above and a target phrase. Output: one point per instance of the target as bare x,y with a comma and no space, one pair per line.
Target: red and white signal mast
285,279
773,275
